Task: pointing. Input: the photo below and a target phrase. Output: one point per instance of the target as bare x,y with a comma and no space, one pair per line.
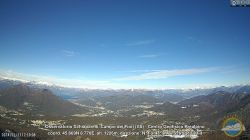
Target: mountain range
206,107
36,101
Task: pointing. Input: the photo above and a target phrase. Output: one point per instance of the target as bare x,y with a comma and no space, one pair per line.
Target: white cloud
68,53
118,83
51,80
162,74
149,56
143,42
235,127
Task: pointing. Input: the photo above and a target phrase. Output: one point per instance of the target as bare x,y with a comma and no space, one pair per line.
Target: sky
125,43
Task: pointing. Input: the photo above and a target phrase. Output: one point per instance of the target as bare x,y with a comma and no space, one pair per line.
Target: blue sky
125,43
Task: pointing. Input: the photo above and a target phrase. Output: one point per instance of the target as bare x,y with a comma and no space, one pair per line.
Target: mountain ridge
40,101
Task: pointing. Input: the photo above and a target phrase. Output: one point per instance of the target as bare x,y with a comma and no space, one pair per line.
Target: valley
122,114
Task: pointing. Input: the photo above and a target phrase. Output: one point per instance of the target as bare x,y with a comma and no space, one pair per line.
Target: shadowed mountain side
209,108
40,101
221,101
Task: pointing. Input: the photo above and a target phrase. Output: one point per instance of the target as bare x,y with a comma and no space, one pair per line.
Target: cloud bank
162,74
51,80
115,83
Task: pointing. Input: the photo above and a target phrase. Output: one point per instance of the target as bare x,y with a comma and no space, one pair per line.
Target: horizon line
147,89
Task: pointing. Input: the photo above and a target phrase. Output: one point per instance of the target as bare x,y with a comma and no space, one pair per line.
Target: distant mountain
4,83
172,95
116,102
36,101
221,101
209,108
189,93
244,89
